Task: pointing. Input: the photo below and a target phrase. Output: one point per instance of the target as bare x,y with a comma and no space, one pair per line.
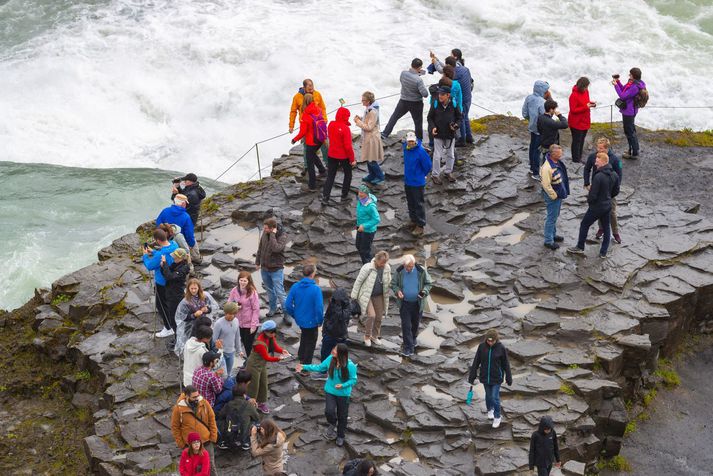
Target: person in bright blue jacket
342,376
152,259
367,219
176,214
417,165
305,304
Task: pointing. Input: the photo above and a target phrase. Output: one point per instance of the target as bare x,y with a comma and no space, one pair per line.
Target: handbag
620,103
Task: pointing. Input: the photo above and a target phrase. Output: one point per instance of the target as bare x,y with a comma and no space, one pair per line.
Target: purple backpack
319,128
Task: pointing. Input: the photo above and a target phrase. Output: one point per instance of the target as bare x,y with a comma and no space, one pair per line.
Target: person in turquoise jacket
367,216
342,376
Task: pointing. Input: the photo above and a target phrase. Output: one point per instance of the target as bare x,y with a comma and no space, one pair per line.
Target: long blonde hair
188,295
308,99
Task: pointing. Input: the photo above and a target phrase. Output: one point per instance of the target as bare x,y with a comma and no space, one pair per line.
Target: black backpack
229,427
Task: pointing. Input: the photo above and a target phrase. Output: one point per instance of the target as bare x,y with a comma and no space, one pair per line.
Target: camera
615,76
146,244
454,126
176,180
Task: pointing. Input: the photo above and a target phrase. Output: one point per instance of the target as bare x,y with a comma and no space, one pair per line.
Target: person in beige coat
371,290
268,441
372,150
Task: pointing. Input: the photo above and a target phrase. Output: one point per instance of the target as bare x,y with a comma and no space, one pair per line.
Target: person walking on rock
605,186
443,121
175,276
630,97
246,297
491,366
371,291
226,330
372,149
340,155
268,442
193,414
176,214
196,303
336,321
549,125
270,260
412,93
296,110
367,220
152,260
555,188
603,145
311,122
417,166
264,348
532,109
342,376
411,284
191,188
195,460
305,304
579,119
544,449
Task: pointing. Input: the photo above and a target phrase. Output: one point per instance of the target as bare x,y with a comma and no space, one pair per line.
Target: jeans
410,313
363,245
534,153
544,470
328,343
229,361
336,409
312,161
375,172
416,199
416,110
553,212
466,134
578,137
589,218
492,398
443,148
332,166
274,284
308,342
169,321
247,338
630,133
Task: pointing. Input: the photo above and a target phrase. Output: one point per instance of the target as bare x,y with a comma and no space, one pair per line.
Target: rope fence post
611,116
259,170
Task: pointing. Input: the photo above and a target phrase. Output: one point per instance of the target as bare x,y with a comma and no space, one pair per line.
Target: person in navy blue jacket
152,259
491,366
306,305
176,214
417,165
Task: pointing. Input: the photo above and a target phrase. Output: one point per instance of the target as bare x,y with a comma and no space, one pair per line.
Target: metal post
611,117
259,171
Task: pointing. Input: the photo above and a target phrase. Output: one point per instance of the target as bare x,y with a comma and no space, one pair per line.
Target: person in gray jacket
412,93
532,108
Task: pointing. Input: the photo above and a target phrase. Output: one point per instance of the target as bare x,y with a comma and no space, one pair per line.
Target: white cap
411,136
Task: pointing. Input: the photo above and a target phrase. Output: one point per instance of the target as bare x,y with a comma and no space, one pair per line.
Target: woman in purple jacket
627,93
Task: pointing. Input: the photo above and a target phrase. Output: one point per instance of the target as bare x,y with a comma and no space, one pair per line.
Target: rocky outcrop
584,334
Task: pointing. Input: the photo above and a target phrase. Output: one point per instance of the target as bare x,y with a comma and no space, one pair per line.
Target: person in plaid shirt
207,382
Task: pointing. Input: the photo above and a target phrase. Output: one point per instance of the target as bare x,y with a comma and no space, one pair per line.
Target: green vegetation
120,309
666,372
566,389
617,463
689,138
171,468
60,298
82,375
630,428
649,397
208,206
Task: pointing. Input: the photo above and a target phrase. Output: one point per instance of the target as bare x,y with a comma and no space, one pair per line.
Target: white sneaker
165,333
491,414
496,422
367,342
376,341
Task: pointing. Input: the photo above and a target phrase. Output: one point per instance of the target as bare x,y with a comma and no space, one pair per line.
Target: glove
509,382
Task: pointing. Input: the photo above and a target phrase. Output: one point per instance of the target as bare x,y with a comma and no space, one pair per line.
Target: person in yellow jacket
555,188
295,111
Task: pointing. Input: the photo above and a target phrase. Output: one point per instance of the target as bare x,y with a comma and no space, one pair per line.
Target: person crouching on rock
411,285
555,188
367,219
417,165
490,365
544,450
371,290
268,441
263,349
342,376
195,460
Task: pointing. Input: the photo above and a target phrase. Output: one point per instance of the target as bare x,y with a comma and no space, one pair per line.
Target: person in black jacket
360,467
603,145
549,128
443,121
544,450
339,312
605,186
491,366
175,275
191,188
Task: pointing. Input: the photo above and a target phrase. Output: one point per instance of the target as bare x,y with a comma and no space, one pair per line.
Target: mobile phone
146,244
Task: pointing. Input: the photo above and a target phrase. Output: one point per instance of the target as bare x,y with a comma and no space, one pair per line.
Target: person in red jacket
264,348
340,154
309,109
579,116
194,459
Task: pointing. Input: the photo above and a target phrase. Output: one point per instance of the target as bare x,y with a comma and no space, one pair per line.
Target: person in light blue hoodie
342,376
533,107
367,219
152,259
305,304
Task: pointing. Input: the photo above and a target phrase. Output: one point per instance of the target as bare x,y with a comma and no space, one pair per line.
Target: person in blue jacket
176,214
367,219
417,165
152,259
532,108
305,304
342,376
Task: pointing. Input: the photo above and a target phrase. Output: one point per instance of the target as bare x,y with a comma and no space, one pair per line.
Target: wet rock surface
582,331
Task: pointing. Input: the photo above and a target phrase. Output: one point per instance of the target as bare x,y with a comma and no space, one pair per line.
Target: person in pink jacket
247,298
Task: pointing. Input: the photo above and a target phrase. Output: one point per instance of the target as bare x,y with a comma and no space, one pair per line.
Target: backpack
230,429
319,128
641,98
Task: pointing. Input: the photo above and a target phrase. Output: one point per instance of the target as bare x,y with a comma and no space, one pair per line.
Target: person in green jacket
367,216
411,283
342,376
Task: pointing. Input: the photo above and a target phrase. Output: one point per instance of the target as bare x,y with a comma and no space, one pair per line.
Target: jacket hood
545,422
313,109
540,88
341,297
194,344
372,198
607,169
301,91
343,116
576,90
306,282
374,105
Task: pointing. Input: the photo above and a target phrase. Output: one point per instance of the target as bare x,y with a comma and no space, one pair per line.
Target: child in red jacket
195,460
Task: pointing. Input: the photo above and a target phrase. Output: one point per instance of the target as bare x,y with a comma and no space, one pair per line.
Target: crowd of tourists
225,349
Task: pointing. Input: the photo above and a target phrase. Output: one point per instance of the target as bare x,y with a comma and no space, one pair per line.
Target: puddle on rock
235,235
506,233
431,391
408,454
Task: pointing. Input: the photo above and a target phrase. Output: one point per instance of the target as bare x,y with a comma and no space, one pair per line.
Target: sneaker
451,178
263,408
376,341
406,354
575,251
559,239
552,246
436,180
331,432
377,181
617,238
165,333
535,176
367,342
222,445
603,256
417,230
245,447
491,414
340,441
599,234
383,137
496,422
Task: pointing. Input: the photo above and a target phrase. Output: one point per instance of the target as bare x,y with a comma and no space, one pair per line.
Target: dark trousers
312,162
169,321
416,110
247,338
410,313
630,133
308,342
415,199
172,303
336,409
466,133
332,166
328,343
544,470
363,245
588,220
578,137
534,153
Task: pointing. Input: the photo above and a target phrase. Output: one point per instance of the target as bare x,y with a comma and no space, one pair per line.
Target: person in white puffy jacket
371,290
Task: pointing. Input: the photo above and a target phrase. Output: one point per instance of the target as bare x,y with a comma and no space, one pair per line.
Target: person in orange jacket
193,414
312,145
341,154
195,460
296,109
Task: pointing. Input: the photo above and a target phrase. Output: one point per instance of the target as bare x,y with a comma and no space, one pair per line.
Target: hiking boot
377,181
559,239
271,313
496,422
417,230
331,432
602,256
451,178
574,250
617,238
552,246
340,441
491,414
436,180
599,234
406,354
263,408
221,445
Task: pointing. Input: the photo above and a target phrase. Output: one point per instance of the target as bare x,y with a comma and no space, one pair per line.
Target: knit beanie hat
193,436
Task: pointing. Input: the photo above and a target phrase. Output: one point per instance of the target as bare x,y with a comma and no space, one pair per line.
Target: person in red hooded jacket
340,154
195,460
579,116
310,108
